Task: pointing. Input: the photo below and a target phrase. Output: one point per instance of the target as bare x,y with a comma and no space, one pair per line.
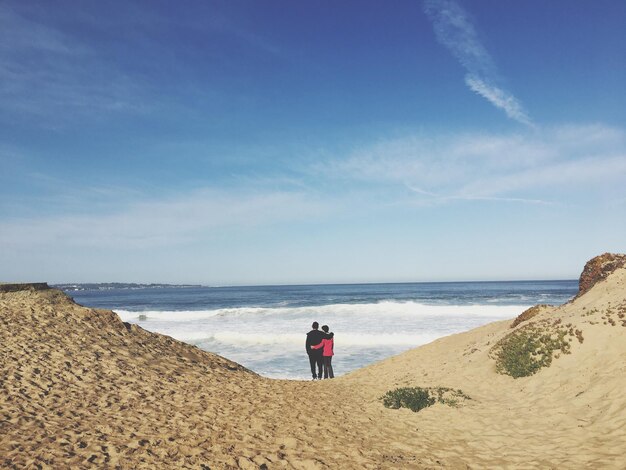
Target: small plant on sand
413,398
449,396
529,313
525,351
418,398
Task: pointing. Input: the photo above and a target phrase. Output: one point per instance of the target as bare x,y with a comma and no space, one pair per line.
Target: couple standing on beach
319,346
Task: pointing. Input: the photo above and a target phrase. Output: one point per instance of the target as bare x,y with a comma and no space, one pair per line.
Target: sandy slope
78,389
572,414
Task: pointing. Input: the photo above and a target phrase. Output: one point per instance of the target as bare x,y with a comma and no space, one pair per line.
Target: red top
328,345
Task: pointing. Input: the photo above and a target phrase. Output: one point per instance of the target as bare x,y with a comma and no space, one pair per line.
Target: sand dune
81,389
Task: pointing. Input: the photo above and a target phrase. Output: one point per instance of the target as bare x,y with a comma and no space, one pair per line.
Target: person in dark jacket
327,346
315,336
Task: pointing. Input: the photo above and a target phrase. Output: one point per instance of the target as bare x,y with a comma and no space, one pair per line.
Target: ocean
264,327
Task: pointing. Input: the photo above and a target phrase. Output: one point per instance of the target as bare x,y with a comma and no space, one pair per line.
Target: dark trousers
328,367
316,360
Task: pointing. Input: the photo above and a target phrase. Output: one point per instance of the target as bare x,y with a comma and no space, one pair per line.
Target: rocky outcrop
599,268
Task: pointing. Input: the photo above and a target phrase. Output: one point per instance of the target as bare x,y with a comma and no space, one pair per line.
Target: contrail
454,29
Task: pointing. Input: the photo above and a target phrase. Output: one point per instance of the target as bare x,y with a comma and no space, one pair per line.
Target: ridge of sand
30,286
81,389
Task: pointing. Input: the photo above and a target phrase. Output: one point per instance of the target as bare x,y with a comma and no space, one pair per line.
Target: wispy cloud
545,166
433,197
187,218
499,98
455,30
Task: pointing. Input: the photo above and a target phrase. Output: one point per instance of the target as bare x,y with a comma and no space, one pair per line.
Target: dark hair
325,328
315,325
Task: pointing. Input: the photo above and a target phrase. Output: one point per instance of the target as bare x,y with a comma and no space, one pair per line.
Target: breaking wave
383,308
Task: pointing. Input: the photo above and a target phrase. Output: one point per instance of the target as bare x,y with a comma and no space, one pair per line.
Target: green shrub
418,398
413,398
525,351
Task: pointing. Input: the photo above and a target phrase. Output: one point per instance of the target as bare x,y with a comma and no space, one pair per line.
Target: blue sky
232,142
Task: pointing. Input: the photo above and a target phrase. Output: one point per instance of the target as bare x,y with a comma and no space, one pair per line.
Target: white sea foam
385,308
166,315
233,338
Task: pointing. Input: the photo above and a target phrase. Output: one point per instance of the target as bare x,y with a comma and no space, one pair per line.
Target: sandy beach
82,389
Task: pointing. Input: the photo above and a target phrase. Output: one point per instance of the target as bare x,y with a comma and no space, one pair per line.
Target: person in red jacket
328,344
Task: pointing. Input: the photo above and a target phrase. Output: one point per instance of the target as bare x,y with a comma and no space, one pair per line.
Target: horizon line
311,284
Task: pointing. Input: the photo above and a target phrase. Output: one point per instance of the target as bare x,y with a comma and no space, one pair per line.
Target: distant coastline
73,287
85,286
